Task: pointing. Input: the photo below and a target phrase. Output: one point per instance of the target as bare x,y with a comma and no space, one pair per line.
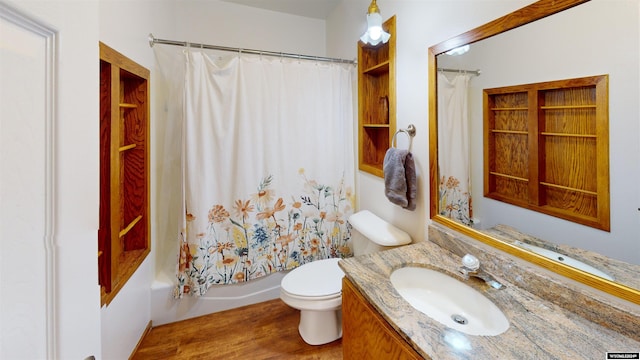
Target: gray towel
400,178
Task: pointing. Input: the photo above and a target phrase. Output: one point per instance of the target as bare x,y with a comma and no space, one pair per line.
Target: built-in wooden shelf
547,148
376,101
124,231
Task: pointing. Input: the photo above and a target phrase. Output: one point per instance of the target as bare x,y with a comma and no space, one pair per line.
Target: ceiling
318,9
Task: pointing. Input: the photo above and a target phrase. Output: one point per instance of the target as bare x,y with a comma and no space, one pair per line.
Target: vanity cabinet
124,230
376,100
547,148
365,333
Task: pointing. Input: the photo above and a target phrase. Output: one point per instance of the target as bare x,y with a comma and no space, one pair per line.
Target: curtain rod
153,41
472,72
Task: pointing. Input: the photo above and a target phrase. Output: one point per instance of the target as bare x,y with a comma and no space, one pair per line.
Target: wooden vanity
365,333
549,317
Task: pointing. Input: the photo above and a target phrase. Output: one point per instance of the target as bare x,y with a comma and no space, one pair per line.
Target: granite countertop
623,272
539,329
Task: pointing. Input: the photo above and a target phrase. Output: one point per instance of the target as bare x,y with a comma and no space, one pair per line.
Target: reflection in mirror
589,261
554,255
578,42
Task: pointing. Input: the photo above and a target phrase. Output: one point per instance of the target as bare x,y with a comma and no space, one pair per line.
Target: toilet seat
317,280
311,298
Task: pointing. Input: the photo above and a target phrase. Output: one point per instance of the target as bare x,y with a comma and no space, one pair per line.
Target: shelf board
510,109
379,69
128,106
518,132
373,169
569,188
127,147
567,107
124,231
568,135
509,176
374,126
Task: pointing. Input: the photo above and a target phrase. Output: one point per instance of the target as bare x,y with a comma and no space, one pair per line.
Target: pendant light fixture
374,34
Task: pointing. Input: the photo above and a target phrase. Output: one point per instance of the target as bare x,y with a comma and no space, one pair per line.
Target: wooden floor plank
263,331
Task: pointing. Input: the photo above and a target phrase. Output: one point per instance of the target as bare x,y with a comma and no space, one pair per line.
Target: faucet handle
470,262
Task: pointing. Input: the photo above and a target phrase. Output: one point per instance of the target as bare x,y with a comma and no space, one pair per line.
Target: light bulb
375,33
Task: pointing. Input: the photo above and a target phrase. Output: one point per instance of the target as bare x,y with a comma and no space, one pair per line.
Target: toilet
315,288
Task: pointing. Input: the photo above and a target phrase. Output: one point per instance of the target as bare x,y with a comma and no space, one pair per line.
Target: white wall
125,26
77,296
419,24
222,23
26,303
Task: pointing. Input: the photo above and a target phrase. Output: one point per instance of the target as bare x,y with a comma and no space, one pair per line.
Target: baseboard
144,334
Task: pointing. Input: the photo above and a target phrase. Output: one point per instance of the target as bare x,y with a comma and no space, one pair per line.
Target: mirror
599,45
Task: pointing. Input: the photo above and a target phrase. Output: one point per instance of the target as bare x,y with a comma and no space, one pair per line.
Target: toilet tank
372,234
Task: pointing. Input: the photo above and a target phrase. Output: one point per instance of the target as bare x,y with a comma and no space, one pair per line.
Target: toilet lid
317,278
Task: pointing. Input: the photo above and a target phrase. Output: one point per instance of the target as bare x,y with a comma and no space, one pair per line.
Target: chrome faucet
471,267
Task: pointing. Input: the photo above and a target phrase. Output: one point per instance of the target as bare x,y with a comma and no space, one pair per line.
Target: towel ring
410,131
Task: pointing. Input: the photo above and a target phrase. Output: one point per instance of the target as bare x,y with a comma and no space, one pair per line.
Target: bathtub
166,309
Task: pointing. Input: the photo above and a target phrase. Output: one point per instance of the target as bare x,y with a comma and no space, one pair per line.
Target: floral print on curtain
453,148
267,167
264,233
455,203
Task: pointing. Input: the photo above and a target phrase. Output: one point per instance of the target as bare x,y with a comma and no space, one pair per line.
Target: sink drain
459,319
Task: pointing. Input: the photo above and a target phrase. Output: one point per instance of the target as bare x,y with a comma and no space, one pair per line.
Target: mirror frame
525,15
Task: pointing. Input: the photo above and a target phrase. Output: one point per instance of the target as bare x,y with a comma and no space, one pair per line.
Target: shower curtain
453,148
268,167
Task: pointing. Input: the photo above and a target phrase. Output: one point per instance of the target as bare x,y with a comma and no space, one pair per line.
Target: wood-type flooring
267,330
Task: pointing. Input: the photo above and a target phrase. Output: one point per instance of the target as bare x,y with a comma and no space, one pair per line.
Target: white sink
449,301
550,254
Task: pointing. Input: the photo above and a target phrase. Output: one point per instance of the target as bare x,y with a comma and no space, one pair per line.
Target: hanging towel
400,178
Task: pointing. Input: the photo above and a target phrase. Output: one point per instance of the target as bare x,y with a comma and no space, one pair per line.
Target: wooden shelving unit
547,148
124,232
376,100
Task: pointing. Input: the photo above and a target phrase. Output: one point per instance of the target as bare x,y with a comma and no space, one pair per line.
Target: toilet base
320,327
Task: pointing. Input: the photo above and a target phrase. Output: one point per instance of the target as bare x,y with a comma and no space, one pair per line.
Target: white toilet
316,288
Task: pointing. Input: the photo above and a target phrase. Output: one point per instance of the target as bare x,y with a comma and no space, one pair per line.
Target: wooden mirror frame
525,15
